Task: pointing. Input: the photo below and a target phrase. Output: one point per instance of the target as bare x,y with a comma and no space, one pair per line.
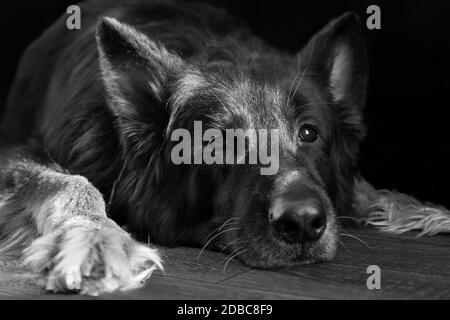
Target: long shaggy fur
396,212
101,104
91,260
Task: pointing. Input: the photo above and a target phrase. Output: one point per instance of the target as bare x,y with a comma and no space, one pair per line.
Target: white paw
90,260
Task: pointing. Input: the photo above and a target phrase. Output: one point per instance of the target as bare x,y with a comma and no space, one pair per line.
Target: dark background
407,147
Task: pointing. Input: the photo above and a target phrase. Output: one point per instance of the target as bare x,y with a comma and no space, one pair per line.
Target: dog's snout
300,221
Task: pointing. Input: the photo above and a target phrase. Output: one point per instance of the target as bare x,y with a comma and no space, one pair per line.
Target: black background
407,148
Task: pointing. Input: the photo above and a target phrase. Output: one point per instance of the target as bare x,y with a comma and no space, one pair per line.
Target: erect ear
338,54
134,70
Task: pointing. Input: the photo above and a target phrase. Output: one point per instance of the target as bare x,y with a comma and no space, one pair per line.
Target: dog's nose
300,222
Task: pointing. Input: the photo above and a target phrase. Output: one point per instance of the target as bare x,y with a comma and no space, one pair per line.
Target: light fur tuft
396,212
91,260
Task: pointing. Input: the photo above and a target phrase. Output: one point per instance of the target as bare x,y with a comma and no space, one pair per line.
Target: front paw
90,260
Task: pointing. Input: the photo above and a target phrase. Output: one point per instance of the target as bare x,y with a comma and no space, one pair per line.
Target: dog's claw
73,278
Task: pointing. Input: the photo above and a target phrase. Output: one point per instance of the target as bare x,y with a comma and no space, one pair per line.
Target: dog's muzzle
298,215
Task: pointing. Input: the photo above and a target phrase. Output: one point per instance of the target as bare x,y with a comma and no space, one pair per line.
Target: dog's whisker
295,79
232,257
229,222
210,240
348,217
343,244
306,68
230,243
300,81
356,238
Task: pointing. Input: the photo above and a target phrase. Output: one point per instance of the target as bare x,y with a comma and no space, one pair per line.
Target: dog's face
309,107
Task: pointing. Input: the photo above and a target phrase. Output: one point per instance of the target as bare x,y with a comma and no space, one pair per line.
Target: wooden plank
397,252
410,268
414,268
166,288
299,286
185,263
395,284
14,280
162,288
179,263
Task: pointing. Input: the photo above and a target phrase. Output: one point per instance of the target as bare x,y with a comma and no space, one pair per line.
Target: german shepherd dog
89,120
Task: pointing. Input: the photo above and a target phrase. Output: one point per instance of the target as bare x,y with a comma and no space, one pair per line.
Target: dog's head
306,108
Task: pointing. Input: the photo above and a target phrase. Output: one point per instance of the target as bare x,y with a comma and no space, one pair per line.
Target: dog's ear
338,54
134,70
337,57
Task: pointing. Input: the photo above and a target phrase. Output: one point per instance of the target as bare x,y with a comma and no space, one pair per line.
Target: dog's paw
90,260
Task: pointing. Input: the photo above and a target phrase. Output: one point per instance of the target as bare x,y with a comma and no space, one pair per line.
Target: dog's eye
307,133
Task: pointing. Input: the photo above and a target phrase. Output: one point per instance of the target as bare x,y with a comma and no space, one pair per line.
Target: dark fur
96,117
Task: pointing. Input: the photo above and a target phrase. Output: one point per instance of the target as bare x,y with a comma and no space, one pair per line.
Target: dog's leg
61,222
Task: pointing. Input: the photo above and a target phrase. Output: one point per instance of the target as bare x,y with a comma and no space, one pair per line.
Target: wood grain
411,268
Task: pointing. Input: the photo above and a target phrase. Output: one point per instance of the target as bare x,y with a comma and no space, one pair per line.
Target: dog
90,119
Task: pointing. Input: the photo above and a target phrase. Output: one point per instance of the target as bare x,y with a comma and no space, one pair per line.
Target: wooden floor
411,268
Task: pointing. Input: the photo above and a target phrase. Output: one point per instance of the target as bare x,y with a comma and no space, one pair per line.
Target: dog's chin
271,253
